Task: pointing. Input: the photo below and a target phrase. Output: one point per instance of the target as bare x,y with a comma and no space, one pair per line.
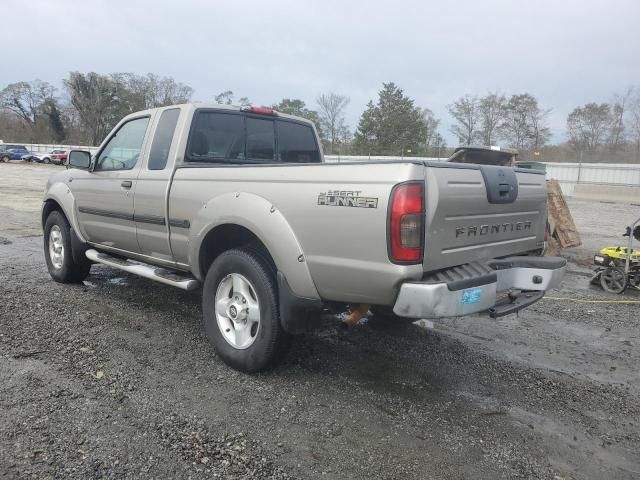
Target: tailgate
479,212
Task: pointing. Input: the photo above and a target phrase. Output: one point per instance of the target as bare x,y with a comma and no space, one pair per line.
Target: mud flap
297,314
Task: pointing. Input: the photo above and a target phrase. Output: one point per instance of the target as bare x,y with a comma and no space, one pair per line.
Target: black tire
4,159
613,280
270,341
46,160
70,271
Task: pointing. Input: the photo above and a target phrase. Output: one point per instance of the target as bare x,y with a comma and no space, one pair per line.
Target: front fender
265,221
60,193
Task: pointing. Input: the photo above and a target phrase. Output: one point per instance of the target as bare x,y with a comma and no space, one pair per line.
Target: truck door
104,196
152,189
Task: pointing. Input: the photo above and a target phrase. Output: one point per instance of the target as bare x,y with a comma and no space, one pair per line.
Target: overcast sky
566,52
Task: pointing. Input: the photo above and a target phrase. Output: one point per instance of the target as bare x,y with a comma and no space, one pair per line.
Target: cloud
566,53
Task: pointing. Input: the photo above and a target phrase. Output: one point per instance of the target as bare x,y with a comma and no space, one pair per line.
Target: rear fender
266,222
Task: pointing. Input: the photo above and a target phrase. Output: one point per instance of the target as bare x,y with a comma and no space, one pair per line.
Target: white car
57,156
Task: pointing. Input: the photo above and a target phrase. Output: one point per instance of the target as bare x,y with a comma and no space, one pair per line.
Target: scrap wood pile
562,229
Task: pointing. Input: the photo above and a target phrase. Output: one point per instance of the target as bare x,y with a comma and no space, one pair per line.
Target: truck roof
235,108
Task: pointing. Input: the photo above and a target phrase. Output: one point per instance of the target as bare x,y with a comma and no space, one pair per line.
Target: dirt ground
115,379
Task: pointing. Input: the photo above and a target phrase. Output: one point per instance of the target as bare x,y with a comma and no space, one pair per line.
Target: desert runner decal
346,198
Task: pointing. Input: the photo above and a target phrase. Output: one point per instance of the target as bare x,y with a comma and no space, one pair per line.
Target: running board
162,275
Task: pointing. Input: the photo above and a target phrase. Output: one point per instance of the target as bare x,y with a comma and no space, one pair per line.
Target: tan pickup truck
241,203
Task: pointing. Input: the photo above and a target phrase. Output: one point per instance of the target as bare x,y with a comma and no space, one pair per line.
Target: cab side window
216,137
123,149
163,138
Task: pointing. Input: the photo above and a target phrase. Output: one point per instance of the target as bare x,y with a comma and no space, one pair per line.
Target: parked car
31,157
57,156
9,146
16,152
241,203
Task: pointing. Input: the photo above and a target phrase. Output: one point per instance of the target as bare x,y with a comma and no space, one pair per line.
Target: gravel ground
115,379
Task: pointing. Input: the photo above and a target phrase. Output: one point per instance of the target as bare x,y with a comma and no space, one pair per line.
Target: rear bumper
499,286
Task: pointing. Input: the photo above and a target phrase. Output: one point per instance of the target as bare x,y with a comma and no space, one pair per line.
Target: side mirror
79,159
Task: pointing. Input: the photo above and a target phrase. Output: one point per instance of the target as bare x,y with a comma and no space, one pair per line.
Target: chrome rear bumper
476,287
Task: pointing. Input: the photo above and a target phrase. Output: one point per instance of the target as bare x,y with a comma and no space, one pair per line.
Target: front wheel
62,266
240,308
613,280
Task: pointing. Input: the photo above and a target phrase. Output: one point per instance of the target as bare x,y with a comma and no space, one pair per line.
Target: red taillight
406,223
260,110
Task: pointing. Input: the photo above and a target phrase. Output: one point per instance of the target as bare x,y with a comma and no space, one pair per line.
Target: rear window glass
216,137
296,143
260,139
163,138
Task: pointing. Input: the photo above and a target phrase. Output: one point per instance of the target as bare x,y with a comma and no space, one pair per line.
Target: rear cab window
261,140
236,137
296,143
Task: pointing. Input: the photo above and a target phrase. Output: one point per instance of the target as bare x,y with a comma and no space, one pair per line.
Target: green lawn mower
618,268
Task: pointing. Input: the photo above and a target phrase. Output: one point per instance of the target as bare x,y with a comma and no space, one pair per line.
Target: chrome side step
162,275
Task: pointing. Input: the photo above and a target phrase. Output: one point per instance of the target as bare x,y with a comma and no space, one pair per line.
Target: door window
123,149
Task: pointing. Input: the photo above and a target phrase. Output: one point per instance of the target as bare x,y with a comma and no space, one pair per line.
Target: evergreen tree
393,126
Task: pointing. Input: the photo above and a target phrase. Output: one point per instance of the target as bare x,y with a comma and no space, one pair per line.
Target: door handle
126,184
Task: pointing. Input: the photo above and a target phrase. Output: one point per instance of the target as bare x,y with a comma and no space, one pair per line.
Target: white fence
44,148
376,158
568,174
616,174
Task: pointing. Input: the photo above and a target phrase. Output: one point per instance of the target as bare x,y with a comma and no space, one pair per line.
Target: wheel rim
237,311
613,280
56,247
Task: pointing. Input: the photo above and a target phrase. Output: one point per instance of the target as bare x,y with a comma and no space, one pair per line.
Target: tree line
90,104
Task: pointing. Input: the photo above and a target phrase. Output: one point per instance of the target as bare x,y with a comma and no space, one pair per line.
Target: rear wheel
4,159
46,160
240,308
613,280
62,266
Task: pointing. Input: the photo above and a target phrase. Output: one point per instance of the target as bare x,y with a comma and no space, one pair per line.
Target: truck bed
319,203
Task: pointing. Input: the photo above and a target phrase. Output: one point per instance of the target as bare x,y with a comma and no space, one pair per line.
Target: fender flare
266,222
61,194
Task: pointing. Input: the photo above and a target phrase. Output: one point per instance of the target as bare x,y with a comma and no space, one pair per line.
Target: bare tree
588,126
465,110
634,111
431,124
539,131
618,111
227,98
26,99
492,112
153,91
95,99
525,123
331,108
164,91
